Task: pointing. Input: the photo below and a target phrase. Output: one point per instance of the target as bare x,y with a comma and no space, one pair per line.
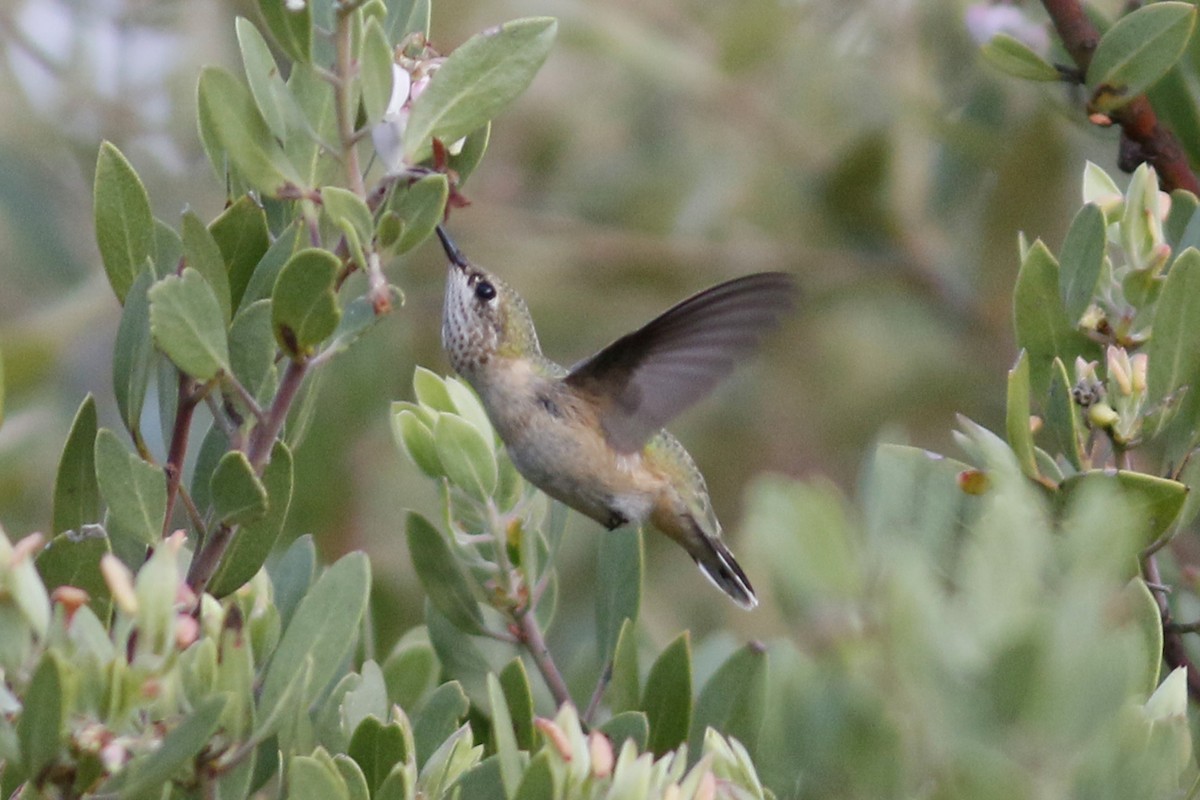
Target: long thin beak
452,252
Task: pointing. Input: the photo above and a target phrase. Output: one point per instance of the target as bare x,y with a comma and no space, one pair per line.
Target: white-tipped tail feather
719,566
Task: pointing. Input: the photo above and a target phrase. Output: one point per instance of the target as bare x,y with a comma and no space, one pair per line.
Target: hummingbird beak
452,252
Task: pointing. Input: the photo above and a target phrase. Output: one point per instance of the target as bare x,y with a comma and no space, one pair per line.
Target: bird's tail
720,567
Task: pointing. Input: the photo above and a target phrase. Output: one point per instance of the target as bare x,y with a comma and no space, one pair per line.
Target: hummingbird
592,436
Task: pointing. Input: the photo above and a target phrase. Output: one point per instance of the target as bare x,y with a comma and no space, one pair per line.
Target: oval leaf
667,699
241,233
1012,56
254,542
1156,501
187,325
323,628
76,492
291,27
1138,50
1020,434
1042,326
238,496
420,207
1174,349
133,354
476,81
266,84
619,586
468,458
229,114
124,224
42,727
136,492
1083,254
733,700
304,308
204,255
441,576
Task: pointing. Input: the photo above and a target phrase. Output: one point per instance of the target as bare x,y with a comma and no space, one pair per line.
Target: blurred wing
642,380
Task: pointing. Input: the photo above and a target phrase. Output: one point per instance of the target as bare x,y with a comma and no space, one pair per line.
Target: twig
1148,140
342,101
598,693
1174,652
263,438
530,635
177,451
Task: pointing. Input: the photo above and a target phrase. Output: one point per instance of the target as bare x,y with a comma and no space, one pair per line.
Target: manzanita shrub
991,627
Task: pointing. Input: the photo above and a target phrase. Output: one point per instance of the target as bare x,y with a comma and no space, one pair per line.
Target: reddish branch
1145,138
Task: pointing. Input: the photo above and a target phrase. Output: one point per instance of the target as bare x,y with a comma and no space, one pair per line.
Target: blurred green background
666,145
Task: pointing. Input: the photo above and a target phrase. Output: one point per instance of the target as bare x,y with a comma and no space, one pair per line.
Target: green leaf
124,224
514,680
266,272
73,559
441,715
1042,326
168,250
228,111
309,778
416,439
408,16
376,748
136,492
627,725
349,213
1153,500
352,776
291,29
324,628
619,567
1138,50
625,687
431,390
476,81
366,699
376,71
504,737
266,84
1083,254
204,255
458,653
1013,57
292,575
133,354
359,317
1063,418
1020,434
468,457
410,671
76,492
42,726
238,495
255,541
252,349
441,576
1174,348
145,777
1148,619
539,781
397,786
241,233
420,205
304,307
667,699
467,159
1,388
306,146
733,700
187,324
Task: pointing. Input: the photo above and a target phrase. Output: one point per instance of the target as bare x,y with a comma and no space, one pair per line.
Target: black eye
485,291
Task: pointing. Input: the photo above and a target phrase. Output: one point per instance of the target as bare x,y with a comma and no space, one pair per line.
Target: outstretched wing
644,379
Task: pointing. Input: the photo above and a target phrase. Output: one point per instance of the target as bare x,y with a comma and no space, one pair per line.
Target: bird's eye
485,291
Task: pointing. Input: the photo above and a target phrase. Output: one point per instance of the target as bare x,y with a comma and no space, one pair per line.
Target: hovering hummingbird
592,436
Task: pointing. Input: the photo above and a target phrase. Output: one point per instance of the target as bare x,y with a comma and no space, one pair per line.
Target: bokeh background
666,145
